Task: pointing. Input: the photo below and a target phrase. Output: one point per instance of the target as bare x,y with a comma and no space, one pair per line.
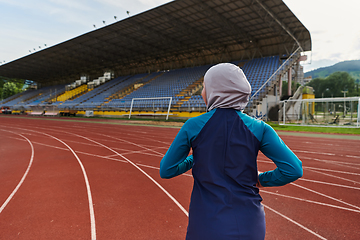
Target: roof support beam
279,22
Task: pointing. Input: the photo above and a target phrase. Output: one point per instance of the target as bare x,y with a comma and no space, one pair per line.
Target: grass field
333,130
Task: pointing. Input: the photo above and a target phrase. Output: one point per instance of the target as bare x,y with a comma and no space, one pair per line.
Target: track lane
275,206
5,177
52,184
128,218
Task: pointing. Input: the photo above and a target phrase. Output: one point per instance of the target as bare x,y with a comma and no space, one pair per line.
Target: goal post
153,104
329,112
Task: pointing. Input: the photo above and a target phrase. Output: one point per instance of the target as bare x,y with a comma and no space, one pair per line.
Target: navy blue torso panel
225,202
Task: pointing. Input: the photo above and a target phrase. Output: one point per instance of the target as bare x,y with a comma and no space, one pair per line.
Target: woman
225,201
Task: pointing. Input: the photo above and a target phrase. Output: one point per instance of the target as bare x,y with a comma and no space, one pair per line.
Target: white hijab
226,86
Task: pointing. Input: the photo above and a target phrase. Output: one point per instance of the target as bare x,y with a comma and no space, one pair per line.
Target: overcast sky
29,24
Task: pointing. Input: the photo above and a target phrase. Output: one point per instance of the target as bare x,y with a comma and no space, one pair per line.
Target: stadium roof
182,33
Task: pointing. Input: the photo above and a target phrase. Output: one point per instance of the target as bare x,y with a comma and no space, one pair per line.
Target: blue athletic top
225,202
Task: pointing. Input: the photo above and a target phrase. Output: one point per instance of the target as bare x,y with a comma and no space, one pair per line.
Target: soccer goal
330,112
156,106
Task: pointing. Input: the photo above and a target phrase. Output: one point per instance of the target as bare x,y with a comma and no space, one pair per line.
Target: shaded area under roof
182,33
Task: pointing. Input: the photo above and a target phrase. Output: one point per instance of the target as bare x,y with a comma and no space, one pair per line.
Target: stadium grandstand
159,57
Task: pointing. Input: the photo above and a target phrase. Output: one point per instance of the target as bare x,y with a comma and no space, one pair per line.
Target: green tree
332,85
9,89
294,87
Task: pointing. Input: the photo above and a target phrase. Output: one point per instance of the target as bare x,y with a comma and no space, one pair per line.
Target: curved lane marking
264,205
141,146
23,177
142,171
137,167
91,205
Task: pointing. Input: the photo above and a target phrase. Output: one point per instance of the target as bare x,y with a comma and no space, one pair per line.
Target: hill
351,67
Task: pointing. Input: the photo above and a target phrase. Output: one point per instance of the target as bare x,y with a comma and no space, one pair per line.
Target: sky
26,25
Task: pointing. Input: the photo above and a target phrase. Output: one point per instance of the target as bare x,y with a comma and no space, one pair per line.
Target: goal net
156,106
337,112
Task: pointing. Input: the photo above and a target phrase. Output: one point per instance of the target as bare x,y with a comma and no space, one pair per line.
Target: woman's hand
258,184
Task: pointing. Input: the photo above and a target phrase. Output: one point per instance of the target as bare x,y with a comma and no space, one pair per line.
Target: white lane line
42,144
314,168
343,164
99,156
296,223
123,161
324,195
333,162
151,149
143,152
157,168
142,171
91,205
302,179
327,183
310,201
320,153
95,155
141,146
261,191
126,150
330,175
331,170
23,177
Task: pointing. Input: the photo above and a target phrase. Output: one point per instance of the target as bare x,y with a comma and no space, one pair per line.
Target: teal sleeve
176,160
289,167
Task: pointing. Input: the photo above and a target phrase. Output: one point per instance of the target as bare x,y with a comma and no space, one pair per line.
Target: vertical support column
358,115
280,87
289,81
284,112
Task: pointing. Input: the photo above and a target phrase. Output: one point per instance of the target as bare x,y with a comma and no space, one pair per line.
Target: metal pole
132,101
344,102
284,112
167,116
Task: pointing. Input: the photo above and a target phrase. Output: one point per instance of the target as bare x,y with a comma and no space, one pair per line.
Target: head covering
226,86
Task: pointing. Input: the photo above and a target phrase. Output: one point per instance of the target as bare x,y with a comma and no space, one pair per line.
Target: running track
87,180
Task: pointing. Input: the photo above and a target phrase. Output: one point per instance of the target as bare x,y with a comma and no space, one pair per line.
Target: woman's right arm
176,160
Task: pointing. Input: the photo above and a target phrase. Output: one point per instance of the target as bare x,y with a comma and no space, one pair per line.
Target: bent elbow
164,174
298,173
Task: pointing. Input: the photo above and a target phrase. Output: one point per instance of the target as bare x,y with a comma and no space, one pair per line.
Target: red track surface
121,164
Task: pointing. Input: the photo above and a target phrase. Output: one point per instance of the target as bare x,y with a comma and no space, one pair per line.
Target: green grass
354,131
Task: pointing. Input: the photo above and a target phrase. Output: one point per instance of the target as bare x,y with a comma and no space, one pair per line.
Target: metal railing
275,74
